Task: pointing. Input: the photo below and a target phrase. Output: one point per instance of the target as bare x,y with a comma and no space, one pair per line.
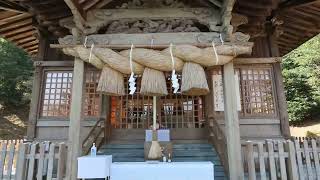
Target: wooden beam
75,145
232,128
79,15
24,40
14,18
287,5
216,3
11,33
266,60
55,16
12,6
21,36
53,63
102,17
226,17
101,4
29,44
31,48
7,14
34,51
15,25
89,4
305,14
160,39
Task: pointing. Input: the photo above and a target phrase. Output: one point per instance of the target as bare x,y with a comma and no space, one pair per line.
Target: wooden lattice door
177,112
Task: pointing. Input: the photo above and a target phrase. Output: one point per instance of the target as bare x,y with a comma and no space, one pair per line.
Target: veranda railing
28,161
298,159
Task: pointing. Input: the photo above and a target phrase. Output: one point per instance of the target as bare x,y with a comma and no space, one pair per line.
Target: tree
15,74
301,72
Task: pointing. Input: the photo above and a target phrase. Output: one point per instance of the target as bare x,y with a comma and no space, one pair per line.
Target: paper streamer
215,52
132,79
90,55
174,78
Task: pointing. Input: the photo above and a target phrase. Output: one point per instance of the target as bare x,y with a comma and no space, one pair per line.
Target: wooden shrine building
72,40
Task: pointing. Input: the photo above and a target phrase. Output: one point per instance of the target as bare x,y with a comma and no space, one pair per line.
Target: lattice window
256,90
91,98
174,110
56,94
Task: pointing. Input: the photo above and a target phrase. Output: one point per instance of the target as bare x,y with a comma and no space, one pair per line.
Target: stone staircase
182,152
124,152
199,152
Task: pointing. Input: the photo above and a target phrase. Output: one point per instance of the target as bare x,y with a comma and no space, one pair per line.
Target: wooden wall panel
57,133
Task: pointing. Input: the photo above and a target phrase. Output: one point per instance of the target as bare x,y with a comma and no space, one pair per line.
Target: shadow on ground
13,122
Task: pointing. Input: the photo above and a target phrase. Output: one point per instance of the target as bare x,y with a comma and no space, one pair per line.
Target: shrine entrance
131,115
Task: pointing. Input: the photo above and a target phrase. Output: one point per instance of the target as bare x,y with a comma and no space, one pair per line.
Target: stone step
123,146
124,159
126,154
190,146
193,153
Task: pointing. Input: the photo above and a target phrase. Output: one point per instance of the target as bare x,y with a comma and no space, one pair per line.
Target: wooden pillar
36,89
34,105
75,143
105,114
278,79
282,103
232,129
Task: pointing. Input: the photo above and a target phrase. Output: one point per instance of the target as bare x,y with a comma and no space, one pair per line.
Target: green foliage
301,72
15,74
312,134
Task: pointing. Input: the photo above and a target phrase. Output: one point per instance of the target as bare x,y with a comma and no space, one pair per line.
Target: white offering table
90,167
163,135
161,171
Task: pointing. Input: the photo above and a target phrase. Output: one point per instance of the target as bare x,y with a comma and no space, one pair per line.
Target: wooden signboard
218,100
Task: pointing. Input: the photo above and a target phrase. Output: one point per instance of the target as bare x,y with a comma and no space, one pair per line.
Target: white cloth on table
94,166
163,135
160,171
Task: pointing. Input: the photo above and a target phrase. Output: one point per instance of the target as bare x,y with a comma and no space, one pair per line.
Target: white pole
154,105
